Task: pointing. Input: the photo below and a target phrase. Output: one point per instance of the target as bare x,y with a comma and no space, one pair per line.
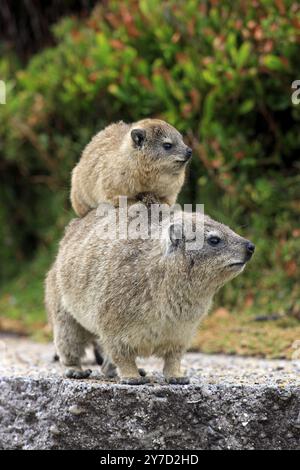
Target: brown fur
113,164
138,297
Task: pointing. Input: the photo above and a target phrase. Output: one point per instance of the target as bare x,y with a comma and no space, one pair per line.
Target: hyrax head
211,252
158,142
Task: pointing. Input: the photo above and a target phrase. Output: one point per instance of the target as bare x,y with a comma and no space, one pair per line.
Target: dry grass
229,333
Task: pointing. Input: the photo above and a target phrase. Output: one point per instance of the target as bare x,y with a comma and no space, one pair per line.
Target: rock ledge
232,403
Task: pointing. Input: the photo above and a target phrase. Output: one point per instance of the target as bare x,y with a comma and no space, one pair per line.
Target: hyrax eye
167,145
214,240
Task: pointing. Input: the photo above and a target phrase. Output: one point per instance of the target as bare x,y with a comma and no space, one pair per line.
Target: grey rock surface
231,403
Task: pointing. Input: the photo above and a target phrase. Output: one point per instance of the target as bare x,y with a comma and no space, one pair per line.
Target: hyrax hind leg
108,368
78,204
172,369
70,340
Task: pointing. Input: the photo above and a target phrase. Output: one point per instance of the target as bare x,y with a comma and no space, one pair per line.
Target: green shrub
221,72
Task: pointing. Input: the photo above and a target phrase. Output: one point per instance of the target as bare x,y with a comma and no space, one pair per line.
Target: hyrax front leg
70,340
128,371
172,369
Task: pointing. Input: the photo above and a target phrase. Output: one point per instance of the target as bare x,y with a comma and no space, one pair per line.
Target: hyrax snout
127,160
139,297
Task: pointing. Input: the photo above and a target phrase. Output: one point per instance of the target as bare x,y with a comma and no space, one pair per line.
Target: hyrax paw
142,372
134,380
55,357
111,374
77,374
178,380
110,371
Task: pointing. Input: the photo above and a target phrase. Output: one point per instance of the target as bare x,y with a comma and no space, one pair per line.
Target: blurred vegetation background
221,72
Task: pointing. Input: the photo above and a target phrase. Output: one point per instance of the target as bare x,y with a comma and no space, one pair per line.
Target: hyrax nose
188,152
250,248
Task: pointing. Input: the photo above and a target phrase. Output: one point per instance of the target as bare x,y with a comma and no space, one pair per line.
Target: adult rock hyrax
138,297
129,160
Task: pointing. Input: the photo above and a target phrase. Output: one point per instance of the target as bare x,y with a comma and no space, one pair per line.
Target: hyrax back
138,296
148,156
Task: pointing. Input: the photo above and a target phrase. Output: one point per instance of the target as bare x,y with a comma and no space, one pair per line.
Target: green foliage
221,72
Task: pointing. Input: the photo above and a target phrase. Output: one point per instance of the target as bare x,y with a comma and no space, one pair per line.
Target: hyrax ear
175,236
138,136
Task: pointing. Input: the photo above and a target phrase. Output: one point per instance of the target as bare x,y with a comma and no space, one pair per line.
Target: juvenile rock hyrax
138,297
130,160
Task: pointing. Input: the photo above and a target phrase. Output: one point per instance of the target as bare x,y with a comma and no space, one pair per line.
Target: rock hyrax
127,160
138,297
